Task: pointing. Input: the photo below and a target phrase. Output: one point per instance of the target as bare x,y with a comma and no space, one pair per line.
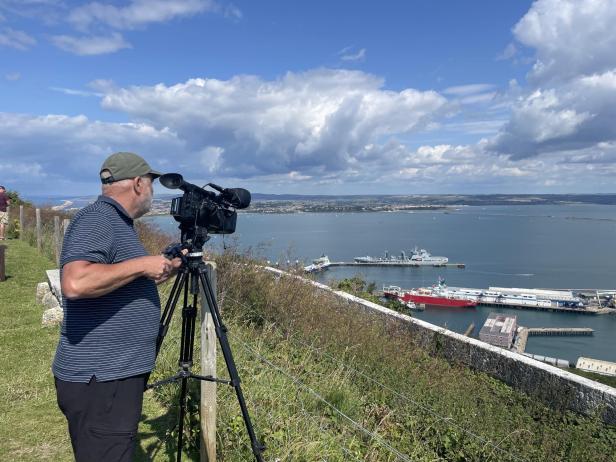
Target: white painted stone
53,317
54,283
42,288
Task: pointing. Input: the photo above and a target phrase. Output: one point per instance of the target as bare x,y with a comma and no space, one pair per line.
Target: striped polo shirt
112,336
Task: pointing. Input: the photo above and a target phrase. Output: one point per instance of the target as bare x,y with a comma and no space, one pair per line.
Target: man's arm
84,279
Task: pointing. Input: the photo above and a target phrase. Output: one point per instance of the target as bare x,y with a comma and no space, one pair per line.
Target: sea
527,246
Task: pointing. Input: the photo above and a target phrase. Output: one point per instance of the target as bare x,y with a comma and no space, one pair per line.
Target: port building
597,366
499,330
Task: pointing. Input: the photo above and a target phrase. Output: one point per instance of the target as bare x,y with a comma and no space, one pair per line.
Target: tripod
191,277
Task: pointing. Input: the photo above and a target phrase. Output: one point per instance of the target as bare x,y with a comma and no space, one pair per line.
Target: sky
319,97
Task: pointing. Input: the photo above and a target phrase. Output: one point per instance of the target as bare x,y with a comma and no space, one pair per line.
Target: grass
32,428
298,352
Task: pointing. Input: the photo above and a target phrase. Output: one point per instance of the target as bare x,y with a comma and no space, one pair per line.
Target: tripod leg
189,315
221,333
184,388
165,318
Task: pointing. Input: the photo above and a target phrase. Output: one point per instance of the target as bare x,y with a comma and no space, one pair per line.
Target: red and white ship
437,295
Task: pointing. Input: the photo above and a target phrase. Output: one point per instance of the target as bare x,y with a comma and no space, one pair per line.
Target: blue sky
312,97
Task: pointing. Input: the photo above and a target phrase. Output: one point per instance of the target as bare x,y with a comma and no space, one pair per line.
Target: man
4,216
111,314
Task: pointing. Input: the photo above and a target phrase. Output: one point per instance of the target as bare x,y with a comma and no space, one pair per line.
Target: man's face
145,196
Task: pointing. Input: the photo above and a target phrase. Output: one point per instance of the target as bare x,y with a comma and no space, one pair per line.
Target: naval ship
418,257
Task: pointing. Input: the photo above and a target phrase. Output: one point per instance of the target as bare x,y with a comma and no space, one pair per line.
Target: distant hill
424,199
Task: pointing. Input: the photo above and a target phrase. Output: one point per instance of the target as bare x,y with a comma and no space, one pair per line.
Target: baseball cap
123,165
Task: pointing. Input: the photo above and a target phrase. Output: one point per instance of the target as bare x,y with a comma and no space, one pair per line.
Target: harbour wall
557,388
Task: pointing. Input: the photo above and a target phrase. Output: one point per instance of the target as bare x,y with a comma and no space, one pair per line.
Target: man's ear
137,184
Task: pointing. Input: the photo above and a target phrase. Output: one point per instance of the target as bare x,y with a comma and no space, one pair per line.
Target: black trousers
102,417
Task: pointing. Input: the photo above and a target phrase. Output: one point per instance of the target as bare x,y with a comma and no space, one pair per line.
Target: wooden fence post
39,237
57,238
208,367
65,224
21,222
2,268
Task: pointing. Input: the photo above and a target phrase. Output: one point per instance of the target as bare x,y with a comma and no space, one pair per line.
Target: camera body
198,208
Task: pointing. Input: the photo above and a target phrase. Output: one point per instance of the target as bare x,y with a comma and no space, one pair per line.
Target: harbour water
565,246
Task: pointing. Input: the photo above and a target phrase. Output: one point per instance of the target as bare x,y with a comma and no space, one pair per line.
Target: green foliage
360,288
361,364
13,230
16,200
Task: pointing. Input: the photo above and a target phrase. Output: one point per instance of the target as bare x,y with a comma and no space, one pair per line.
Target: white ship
419,257
318,264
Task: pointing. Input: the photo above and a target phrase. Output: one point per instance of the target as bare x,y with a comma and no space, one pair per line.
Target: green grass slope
323,382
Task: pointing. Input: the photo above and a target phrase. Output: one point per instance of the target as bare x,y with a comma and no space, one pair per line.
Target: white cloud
509,52
12,76
16,39
347,54
73,92
313,123
570,105
71,149
571,37
91,45
22,170
139,13
471,89
575,115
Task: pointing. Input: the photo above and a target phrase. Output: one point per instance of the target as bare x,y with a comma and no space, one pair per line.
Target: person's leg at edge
102,417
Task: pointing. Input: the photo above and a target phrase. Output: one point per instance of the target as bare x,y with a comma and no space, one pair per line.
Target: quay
521,339
589,309
398,264
560,331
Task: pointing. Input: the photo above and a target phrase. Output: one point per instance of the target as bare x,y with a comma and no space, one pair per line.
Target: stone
42,288
53,317
53,276
50,301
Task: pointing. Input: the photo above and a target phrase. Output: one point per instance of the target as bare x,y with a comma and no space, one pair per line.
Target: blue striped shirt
112,336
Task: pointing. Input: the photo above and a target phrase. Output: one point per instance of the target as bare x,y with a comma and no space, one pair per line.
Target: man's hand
170,269
156,267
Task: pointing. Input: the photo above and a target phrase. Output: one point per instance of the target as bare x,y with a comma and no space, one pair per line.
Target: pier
397,264
589,309
521,339
560,331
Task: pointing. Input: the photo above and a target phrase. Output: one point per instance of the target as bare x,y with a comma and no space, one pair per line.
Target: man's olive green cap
123,165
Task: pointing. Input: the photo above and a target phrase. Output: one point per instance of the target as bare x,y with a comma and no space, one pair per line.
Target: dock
397,264
560,309
560,331
521,339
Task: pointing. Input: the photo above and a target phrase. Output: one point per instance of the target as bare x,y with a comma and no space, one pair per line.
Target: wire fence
495,447
42,227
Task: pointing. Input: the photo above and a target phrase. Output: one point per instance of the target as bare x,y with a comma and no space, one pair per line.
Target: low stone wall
557,388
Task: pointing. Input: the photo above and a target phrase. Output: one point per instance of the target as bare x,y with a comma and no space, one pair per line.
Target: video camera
200,211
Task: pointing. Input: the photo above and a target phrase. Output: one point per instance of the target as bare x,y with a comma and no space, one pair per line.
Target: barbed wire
447,420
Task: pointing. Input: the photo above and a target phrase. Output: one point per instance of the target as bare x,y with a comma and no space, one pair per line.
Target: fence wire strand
447,420
318,396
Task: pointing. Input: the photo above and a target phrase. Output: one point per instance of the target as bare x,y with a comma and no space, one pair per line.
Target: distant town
269,203
290,203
